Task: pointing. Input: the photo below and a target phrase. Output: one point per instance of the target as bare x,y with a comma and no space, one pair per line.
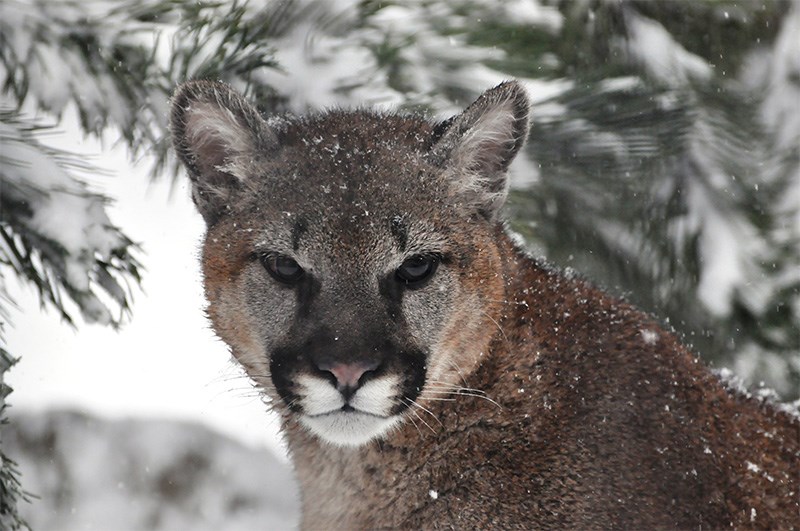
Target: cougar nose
348,375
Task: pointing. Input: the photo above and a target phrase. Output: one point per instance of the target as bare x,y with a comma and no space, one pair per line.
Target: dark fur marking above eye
399,231
299,228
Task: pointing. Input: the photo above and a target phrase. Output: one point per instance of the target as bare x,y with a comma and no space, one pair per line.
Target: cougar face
349,261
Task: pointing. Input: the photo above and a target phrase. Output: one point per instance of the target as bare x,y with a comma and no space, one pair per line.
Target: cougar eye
282,268
416,269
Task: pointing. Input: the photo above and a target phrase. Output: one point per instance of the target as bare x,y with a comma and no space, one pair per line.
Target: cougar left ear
218,136
479,144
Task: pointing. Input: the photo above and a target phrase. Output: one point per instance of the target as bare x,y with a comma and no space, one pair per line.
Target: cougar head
350,260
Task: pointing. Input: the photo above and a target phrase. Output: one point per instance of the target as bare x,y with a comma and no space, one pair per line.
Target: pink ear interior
215,137
481,142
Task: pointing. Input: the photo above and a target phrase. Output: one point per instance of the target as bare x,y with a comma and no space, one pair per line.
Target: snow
65,211
47,73
765,365
533,13
665,59
332,65
620,84
57,75
725,248
329,65
776,77
165,362
650,337
93,473
732,382
783,91
735,384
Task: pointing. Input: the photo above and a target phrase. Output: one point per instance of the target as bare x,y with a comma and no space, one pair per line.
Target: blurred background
663,164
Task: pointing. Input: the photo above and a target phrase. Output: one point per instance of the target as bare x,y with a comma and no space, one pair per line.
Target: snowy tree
114,64
662,164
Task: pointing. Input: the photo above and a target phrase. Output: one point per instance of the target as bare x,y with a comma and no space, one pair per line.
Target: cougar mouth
370,412
347,408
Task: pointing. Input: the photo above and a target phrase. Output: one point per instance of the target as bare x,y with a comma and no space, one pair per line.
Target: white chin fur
324,417
349,428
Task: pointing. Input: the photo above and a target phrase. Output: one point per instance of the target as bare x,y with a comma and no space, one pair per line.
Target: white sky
165,362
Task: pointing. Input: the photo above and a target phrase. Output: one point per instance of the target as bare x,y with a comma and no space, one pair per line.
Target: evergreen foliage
115,63
10,489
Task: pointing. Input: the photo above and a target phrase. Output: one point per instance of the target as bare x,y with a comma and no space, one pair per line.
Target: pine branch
55,233
11,492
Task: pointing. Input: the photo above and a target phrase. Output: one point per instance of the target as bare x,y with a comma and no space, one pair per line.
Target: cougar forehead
344,170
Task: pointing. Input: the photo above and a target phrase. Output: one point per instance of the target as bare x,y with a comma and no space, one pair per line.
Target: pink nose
348,375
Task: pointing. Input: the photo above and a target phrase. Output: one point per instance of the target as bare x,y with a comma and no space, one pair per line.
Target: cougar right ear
218,136
478,145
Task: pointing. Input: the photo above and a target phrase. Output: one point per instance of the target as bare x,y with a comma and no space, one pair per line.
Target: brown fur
224,259
593,429
538,401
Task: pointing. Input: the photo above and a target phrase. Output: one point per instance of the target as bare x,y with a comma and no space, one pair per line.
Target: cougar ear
478,145
218,136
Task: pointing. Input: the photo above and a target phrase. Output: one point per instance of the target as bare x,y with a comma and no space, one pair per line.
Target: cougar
428,372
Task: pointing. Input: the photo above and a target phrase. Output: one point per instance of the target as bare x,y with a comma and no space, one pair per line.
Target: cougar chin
349,428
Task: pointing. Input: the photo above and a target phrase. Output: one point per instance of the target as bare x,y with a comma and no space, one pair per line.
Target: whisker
458,370
409,417
443,385
428,411
456,388
496,324
442,391
423,421
459,392
483,396
415,425
292,402
442,382
418,416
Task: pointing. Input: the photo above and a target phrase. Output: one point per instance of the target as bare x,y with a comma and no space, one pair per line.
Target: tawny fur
547,404
590,426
